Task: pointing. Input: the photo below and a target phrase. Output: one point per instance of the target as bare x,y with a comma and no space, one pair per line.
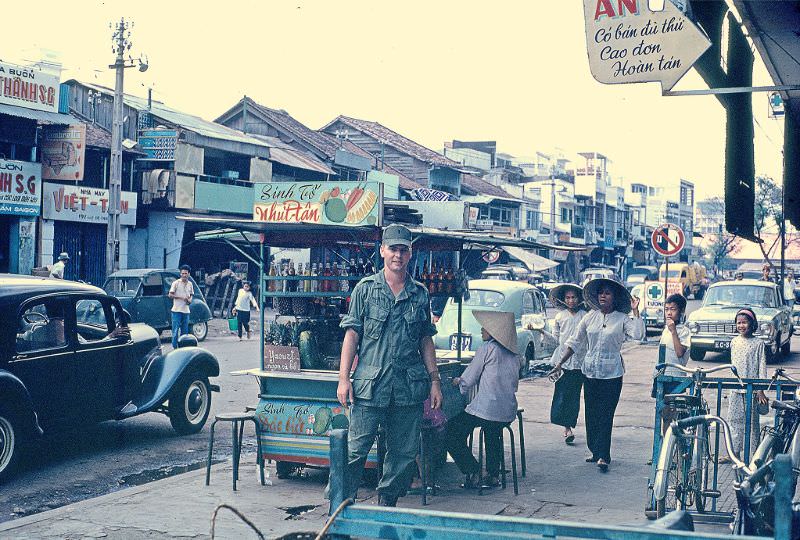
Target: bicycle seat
786,406
681,401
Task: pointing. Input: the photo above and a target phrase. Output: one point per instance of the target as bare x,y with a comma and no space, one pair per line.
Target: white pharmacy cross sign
667,239
628,43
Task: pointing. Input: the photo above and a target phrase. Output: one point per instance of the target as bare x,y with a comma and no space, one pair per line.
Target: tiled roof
322,142
396,141
97,136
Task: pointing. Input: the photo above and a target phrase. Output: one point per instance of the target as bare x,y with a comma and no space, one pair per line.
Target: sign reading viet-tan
628,43
280,358
321,203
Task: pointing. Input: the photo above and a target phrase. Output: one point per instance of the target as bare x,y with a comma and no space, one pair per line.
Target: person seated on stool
495,372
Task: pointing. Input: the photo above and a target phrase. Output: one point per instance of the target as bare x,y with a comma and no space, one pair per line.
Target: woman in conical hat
566,402
496,367
602,332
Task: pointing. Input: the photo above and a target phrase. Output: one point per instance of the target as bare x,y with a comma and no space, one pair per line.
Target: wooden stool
521,429
237,421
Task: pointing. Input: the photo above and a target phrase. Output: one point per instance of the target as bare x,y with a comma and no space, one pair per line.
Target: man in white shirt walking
181,292
57,270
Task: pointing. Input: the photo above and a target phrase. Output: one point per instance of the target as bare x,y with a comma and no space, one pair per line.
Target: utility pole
120,45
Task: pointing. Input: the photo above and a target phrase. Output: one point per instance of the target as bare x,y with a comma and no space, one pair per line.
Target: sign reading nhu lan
321,203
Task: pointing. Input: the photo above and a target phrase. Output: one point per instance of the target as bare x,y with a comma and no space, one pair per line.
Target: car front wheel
190,403
10,443
200,330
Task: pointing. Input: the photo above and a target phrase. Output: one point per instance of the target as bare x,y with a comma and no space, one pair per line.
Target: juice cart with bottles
301,344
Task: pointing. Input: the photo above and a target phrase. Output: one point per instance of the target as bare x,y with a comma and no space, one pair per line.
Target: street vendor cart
299,351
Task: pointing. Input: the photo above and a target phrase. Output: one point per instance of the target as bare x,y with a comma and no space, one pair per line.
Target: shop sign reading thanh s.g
85,204
28,87
20,188
320,203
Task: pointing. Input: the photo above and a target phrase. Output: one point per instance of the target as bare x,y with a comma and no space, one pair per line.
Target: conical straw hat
558,293
622,298
501,326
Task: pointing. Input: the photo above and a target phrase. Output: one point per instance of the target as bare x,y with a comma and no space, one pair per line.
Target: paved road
91,461
85,463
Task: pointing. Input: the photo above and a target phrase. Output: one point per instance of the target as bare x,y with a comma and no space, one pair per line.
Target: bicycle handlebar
781,372
705,371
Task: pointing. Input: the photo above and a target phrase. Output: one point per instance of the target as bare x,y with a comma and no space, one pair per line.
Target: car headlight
766,329
693,327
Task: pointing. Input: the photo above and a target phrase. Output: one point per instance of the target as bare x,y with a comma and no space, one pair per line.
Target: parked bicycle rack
714,514
367,521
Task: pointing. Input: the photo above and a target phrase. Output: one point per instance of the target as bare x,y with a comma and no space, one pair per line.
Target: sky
513,71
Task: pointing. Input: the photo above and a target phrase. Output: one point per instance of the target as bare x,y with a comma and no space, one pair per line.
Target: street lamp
121,45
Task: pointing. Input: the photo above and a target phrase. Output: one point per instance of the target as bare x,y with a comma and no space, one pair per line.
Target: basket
233,324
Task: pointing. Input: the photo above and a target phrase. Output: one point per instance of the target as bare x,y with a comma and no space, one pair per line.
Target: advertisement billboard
20,188
28,87
84,204
63,152
321,203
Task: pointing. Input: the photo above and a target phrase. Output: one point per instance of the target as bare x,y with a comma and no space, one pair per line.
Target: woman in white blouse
602,332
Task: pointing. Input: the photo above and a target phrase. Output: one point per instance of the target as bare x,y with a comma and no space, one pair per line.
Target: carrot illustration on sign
355,195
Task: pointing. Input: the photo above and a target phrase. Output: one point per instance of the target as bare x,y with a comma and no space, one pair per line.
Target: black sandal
592,459
602,465
569,439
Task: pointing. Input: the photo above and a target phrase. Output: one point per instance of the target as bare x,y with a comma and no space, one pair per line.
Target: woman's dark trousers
600,398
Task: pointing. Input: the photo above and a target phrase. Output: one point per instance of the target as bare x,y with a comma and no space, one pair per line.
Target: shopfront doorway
86,245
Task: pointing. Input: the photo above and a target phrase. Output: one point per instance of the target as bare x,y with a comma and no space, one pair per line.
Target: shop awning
298,160
534,262
39,116
425,236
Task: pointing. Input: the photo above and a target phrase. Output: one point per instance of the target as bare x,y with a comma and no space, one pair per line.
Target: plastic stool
503,470
237,421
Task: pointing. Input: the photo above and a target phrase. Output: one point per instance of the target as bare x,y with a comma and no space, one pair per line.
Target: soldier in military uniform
389,326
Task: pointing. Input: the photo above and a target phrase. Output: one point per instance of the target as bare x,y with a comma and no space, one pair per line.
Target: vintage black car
143,294
66,359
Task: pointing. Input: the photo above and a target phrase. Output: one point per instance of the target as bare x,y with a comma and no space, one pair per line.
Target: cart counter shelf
297,410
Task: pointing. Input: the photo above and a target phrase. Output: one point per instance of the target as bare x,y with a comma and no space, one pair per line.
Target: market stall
300,348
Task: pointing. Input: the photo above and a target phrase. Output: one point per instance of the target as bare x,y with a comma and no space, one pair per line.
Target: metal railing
369,521
718,512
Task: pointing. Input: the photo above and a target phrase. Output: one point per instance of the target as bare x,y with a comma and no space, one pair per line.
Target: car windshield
672,273
637,278
483,298
740,295
121,287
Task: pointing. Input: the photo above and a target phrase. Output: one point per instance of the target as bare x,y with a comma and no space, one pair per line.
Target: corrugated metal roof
293,158
479,186
189,122
39,116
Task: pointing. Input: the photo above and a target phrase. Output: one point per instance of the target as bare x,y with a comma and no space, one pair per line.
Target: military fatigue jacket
390,368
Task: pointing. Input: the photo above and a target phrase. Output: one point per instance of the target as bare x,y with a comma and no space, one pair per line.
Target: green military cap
395,234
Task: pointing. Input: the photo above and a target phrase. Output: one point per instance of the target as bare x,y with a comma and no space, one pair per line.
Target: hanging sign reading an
628,43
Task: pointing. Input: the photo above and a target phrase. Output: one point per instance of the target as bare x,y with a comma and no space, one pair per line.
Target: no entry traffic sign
667,239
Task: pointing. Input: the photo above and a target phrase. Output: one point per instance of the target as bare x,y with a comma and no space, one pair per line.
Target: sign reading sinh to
320,203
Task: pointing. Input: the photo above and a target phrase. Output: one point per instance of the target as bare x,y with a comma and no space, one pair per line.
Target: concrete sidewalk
559,484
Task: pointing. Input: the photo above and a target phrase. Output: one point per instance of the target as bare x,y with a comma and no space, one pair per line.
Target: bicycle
778,439
681,479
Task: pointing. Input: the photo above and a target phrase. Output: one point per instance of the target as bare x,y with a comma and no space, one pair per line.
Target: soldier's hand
344,392
436,396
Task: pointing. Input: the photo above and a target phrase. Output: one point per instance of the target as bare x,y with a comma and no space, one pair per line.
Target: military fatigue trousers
401,425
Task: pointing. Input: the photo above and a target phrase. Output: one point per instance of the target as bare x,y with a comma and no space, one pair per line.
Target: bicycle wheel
674,495
699,476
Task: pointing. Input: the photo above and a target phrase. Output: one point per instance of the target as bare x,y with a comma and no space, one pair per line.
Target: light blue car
536,343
